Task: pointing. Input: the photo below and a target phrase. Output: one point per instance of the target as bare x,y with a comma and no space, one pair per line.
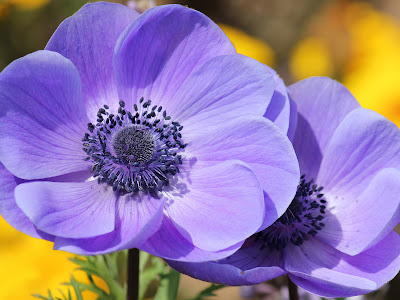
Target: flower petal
73,210
88,39
137,219
356,222
218,206
167,242
377,265
322,104
363,144
9,209
43,117
261,145
292,120
279,109
245,267
155,55
223,88
312,266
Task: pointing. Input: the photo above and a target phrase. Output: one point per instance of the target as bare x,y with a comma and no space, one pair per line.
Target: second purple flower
336,238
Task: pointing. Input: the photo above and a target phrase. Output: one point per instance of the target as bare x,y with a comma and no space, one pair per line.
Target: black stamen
299,222
132,153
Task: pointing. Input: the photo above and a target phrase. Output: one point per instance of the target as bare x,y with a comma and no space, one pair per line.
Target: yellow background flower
311,57
358,45
30,266
27,4
249,45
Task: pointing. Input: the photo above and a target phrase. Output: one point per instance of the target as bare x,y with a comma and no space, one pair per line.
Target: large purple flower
128,125
336,239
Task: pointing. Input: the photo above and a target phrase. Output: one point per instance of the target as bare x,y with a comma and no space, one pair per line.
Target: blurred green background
355,42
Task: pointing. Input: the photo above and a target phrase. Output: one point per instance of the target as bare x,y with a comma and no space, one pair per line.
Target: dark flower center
136,142
300,222
134,151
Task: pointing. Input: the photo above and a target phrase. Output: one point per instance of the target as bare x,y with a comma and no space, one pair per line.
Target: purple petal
218,206
247,266
279,109
321,285
167,242
292,120
156,54
322,104
43,118
364,143
226,274
356,222
137,219
73,210
322,270
9,209
380,263
313,268
224,88
88,39
261,145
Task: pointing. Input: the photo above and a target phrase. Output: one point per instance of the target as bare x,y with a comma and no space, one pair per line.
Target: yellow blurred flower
6,5
27,4
311,57
30,266
360,46
249,46
374,60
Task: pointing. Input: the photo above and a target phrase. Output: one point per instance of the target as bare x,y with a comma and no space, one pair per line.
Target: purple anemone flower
336,239
129,126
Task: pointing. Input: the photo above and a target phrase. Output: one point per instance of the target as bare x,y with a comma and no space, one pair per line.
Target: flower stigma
134,142
300,222
134,151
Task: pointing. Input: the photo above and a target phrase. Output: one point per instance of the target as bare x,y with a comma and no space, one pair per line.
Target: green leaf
112,268
50,297
75,286
105,267
208,292
122,266
64,296
144,260
108,267
168,289
150,269
40,296
79,287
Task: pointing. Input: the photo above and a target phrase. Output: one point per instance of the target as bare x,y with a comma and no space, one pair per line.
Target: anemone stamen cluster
134,151
301,220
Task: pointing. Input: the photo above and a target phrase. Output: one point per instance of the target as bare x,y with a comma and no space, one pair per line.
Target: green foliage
111,268
208,292
50,297
151,269
169,284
